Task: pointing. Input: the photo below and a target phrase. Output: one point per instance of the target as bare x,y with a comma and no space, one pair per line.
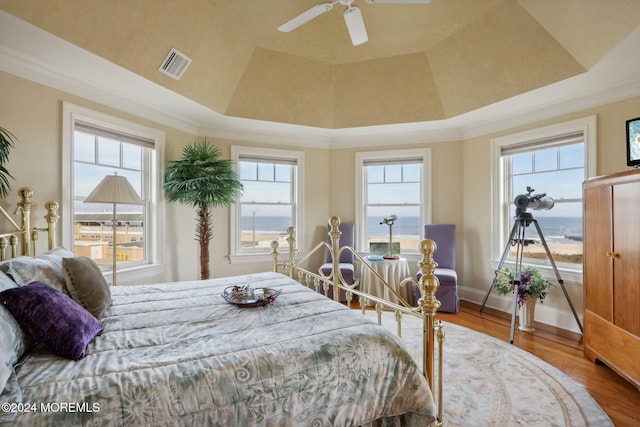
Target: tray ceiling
421,63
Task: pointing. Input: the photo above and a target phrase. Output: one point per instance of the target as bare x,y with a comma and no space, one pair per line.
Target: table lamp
114,189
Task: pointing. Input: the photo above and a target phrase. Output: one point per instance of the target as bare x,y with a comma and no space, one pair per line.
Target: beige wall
461,182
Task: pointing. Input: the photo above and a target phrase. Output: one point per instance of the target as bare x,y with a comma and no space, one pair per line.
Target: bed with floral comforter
179,354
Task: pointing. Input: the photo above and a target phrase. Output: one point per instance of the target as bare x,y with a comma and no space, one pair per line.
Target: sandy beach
561,252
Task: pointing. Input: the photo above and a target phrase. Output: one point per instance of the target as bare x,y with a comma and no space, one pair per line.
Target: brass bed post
291,240
274,255
3,248
13,242
429,305
24,208
287,265
440,365
52,218
335,234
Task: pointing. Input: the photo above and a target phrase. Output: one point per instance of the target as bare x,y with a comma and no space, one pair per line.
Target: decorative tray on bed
245,296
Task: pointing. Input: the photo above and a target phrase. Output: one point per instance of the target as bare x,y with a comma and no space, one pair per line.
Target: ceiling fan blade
305,17
400,1
355,25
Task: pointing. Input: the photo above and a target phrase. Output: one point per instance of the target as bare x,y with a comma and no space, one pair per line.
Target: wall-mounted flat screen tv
633,142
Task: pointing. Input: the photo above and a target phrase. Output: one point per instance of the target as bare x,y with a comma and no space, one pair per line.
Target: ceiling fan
352,17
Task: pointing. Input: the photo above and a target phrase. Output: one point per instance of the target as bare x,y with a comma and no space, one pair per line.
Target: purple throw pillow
52,318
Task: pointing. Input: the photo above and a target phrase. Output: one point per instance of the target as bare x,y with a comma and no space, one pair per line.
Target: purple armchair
445,237
347,238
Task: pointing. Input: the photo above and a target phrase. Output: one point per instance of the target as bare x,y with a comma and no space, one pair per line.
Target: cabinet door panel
626,242
598,267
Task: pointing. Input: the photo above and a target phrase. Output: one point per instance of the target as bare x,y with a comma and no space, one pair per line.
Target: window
271,200
393,183
554,161
96,145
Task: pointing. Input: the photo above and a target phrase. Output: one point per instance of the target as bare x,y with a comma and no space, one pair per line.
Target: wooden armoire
612,272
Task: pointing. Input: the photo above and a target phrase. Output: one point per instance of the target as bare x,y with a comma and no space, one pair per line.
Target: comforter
179,354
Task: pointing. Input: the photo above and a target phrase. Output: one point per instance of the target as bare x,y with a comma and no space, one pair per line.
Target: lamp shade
114,189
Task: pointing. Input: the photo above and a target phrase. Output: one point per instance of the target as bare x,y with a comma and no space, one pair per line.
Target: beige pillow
86,284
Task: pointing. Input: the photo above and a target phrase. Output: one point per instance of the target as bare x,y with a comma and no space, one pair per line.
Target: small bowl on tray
236,295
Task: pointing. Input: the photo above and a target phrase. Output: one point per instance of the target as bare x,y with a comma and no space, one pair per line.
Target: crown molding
31,53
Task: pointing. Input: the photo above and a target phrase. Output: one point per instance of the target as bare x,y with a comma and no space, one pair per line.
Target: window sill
151,273
253,258
568,275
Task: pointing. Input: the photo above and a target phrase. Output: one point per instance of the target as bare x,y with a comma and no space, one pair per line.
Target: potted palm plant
203,180
6,143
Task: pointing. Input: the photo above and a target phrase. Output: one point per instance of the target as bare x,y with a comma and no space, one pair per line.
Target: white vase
527,314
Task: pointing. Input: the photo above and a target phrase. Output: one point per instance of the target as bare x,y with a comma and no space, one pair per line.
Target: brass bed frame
22,238
426,309
22,241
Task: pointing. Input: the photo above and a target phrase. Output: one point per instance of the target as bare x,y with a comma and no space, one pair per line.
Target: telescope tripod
517,237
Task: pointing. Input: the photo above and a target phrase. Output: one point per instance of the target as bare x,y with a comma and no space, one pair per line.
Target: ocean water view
557,229
554,229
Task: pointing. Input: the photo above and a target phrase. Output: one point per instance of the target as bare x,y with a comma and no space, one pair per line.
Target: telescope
389,220
517,237
535,201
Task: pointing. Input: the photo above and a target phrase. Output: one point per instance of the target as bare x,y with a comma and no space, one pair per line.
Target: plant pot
527,314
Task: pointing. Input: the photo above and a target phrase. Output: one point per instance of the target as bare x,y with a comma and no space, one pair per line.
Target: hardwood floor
562,349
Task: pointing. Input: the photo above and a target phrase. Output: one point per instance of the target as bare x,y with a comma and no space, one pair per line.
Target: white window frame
500,213
237,257
361,191
153,269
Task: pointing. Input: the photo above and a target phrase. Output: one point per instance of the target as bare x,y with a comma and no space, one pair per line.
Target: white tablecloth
392,271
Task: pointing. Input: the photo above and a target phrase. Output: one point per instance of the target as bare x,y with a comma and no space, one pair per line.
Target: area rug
488,382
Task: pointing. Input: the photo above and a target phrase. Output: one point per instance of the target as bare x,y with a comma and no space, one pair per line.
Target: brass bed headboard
22,238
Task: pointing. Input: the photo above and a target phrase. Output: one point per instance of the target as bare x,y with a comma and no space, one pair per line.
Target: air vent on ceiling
175,64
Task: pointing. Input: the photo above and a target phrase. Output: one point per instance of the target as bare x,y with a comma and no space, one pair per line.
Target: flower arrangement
532,284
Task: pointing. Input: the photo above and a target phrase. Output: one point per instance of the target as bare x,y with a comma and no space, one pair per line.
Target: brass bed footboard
426,308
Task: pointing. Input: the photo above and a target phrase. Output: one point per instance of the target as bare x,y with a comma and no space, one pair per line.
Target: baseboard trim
547,318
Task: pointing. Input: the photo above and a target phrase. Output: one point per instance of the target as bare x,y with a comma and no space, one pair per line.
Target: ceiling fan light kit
352,17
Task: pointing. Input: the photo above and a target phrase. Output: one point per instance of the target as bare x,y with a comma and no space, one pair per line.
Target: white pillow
45,268
14,342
